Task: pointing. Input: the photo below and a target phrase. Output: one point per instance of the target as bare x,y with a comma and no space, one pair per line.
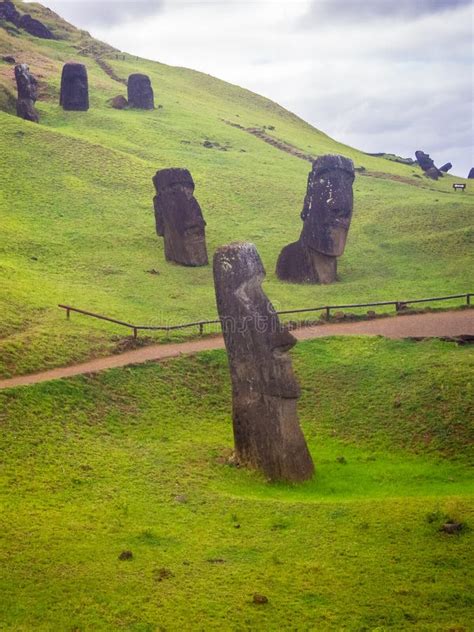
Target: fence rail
399,306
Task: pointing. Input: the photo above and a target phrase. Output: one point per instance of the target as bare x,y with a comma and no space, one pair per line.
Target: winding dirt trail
428,325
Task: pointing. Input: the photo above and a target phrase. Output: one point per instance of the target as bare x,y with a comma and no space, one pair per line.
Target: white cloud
381,75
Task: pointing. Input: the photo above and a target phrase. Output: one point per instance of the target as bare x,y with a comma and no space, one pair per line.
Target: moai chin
326,215
178,218
267,434
74,87
140,92
27,87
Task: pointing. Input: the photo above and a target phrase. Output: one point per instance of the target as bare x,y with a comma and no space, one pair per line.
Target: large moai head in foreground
179,218
326,215
74,87
267,433
140,92
27,87
328,205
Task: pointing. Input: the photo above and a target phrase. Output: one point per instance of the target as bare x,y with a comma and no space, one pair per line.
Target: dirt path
419,325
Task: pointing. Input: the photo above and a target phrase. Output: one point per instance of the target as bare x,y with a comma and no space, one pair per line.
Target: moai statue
267,434
326,216
74,87
27,87
179,218
140,92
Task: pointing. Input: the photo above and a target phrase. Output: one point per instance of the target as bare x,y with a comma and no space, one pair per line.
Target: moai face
140,92
26,84
328,205
179,217
259,343
74,87
267,434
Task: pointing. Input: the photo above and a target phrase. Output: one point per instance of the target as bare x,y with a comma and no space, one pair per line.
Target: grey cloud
358,11
104,13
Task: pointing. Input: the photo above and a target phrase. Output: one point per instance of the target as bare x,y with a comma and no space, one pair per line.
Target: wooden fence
399,306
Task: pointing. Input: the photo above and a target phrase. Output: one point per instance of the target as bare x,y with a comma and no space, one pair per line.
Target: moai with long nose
140,92
326,215
27,88
74,94
267,434
178,218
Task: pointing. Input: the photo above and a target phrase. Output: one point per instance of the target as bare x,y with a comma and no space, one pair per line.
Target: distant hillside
76,205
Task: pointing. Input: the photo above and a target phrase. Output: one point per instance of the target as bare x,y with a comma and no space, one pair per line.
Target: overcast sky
380,75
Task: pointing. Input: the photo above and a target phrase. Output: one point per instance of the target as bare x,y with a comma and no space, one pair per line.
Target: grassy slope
135,459
77,223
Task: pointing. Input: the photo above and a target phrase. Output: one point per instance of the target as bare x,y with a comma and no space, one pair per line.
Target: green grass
136,459
76,206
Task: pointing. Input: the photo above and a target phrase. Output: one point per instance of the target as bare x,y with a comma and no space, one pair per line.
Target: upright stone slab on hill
178,218
326,215
265,391
74,87
27,93
140,92
471,174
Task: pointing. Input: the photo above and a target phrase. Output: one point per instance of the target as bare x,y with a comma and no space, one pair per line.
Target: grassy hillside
136,460
76,204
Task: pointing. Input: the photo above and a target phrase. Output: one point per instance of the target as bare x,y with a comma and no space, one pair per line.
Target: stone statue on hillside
445,168
470,175
427,165
140,92
265,391
27,87
326,215
179,218
74,87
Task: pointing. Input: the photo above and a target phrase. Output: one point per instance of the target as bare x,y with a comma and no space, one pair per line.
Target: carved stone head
257,343
140,92
328,205
74,87
26,84
179,217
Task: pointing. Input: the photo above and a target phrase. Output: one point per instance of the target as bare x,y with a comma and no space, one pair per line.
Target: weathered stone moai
427,165
470,175
140,92
326,215
27,87
178,218
267,434
74,87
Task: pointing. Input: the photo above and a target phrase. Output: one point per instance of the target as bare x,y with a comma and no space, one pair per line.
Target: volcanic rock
119,102
35,27
432,173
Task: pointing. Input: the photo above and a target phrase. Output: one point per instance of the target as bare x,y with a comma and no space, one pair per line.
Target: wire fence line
326,309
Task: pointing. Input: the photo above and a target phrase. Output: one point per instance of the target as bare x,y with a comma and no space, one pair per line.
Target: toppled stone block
267,434
140,92
74,94
178,218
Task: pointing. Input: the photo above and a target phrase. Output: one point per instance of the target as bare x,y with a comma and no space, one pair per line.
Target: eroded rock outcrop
74,87
29,24
178,218
326,215
27,88
140,92
265,391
